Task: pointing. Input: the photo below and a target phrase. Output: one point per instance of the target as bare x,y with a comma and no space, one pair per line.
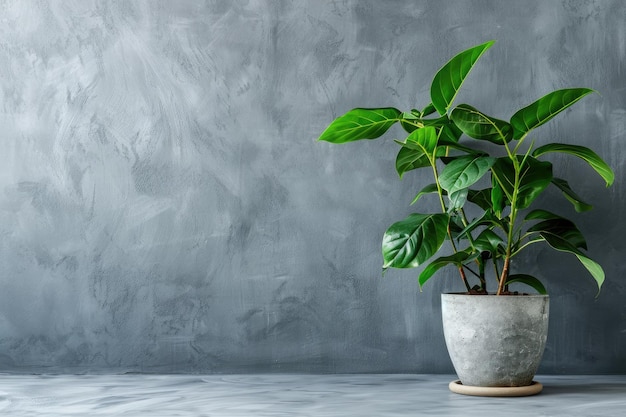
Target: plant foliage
450,142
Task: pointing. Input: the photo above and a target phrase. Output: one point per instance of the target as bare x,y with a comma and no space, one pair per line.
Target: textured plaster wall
164,205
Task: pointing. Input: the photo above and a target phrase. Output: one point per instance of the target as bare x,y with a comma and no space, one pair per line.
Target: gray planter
495,341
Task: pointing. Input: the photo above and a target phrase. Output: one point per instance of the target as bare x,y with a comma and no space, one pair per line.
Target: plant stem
433,163
513,214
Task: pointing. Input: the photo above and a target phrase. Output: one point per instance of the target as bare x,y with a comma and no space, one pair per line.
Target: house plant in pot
487,174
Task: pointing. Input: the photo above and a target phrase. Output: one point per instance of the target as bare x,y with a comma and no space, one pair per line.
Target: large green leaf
464,171
528,280
360,124
450,77
535,176
563,245
457,259
478,125
571,196
556,225
410,242
583,153
544,109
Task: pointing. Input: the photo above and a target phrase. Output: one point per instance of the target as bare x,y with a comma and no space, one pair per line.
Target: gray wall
165,205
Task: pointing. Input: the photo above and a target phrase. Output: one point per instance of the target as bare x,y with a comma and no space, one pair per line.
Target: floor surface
297,395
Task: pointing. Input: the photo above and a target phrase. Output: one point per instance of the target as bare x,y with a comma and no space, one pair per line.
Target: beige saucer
532,389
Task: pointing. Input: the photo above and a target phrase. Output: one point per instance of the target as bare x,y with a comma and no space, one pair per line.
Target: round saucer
532,389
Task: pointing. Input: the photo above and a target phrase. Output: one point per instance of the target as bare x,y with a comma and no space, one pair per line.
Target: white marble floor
296,395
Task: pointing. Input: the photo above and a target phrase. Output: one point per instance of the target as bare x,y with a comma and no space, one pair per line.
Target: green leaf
417,150
464,171
410,242
443,141
457,259
558,226
488,241
498,198
409,159
583,153
451,133
481,198
563,245
571,196
455,226
411,122
428,110
528,280
478,125
535,176
360,124
424,139
485,219
450,77
540,214
544,109
429,189
457,199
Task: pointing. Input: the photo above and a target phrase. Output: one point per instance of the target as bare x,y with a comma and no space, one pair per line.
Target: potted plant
487,173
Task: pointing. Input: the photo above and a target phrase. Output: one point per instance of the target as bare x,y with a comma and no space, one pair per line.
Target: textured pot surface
495,341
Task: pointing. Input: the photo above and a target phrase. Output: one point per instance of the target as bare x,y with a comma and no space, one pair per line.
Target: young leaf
410,242
360,124
571,196
528,280
583,153
450,77
544,109
428,110
478,125
464,171
429,189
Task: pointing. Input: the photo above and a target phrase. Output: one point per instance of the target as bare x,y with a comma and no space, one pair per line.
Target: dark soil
475,292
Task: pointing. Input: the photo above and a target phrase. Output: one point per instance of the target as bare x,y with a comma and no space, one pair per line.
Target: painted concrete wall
165,206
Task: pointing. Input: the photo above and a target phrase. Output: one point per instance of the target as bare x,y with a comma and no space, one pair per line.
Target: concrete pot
495,341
